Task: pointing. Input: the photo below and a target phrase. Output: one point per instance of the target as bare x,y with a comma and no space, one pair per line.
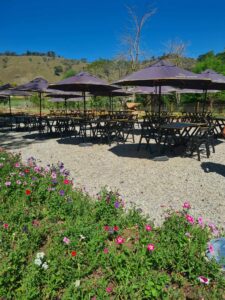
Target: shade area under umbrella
38,85
163,73
13,92
61,94
217,82
148,90
83,82
112,93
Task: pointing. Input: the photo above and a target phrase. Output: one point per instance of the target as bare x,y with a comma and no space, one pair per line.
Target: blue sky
93,28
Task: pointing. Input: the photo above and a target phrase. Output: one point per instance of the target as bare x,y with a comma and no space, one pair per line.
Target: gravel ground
153,186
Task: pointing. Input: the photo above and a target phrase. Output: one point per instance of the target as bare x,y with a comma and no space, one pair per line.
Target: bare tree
176,49
133,38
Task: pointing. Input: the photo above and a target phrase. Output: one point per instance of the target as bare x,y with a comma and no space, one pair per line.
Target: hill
20,69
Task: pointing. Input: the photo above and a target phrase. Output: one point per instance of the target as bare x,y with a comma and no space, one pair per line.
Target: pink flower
190,219
200,222
106,250
212,226
120,240
148,227
66,181
203,279
186,205
150,247
18,182
47,169
8,183
108,290
210,248
215,232
54,175
17,165
66,240
37,169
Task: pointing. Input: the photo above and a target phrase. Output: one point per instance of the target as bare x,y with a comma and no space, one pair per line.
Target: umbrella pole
159,99
204,102
10,108
40,102
84,96
65,104
110,102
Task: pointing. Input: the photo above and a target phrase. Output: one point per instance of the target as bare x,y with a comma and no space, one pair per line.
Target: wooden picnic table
219,123
177,133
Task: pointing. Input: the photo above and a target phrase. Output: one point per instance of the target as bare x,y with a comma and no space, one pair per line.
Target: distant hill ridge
18,69
21,68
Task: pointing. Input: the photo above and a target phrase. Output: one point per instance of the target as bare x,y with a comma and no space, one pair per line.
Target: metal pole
10,108
204,102
159,99
65,104
40,102
84,96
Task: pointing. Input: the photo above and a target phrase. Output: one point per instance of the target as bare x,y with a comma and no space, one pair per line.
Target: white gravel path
152,186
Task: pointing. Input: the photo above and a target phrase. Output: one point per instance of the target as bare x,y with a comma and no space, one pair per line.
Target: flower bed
57,243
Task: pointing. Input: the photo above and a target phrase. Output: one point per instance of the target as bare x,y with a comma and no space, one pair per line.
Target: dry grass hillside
20,69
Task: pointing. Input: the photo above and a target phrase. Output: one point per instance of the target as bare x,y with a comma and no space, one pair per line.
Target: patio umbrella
63,96
112,93
38,85
5,86
217,82
13,92
147,90
83,82
161,74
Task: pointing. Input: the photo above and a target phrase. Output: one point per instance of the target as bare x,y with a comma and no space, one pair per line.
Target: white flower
37,261
77,283
45,266
82,237
40,255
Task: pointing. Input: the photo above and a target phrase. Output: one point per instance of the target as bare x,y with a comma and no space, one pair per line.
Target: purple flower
61,192
8,183
66,172
61,165
117,204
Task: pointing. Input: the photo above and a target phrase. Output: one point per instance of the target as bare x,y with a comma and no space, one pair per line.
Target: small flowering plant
40,261
62,244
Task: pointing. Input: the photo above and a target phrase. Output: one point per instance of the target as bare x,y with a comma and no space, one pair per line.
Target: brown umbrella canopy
13,92
38,85
83,82
164,73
